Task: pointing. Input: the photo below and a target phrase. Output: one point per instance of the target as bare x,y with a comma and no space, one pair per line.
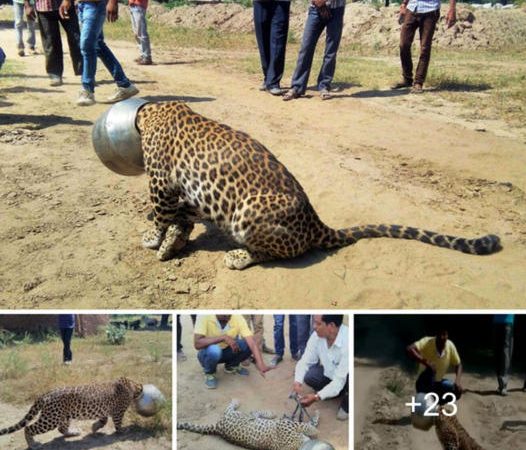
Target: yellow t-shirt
428,349
209,326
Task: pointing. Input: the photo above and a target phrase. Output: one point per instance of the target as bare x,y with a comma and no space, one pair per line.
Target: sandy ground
71,229
495,422
196,403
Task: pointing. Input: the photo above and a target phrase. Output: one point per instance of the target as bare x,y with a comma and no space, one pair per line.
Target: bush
115,335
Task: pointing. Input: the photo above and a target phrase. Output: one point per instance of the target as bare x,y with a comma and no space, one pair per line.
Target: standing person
92,15
271,23
503,349
66,325
435,356
422,15
325,364
299,331
323,14
138,20
255,322
2,57
19,14
48,22
180,354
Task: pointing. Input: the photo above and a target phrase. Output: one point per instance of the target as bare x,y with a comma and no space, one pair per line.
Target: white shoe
122,93
342,415
55,80
86,98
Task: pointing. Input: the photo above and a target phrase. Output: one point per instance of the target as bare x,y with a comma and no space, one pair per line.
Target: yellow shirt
209,326
441,363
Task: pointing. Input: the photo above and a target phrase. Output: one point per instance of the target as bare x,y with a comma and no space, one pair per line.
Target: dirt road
71,229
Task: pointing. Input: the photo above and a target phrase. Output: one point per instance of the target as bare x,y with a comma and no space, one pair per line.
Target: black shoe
402,85
276,360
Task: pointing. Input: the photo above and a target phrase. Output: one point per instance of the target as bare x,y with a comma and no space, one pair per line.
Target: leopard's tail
195,428
33,412
484,245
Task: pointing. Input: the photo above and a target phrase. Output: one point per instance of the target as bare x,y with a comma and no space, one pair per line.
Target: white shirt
334,360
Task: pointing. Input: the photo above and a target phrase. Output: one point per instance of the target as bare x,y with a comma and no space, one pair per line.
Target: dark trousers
179,331
425,23
271,23
426,383
66,334
213,355
503,350
317,381
48,23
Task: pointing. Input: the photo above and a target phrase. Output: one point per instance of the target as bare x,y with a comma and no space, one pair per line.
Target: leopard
201,170
452,435
89,401
258,430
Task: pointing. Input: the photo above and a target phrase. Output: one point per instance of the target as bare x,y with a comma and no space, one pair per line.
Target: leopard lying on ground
199,169
91,401
258,430
452,435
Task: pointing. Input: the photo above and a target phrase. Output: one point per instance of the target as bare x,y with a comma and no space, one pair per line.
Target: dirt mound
363,24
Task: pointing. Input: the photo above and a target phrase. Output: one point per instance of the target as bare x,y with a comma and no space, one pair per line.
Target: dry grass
29,370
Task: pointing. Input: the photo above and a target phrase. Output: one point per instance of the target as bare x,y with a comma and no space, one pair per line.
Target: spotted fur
452,435
258,430
199,169
91,401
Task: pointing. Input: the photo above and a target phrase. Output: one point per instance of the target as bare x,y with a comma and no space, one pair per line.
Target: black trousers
317,381
48,23
66,334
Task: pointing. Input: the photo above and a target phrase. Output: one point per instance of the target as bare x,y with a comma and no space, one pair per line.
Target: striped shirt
423,6
47,5
335,3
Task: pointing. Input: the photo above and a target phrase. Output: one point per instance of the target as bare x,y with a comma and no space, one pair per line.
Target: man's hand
308,399
112,11
29,11
64,8
319,3
297,388
263,369
458,386
231,342
451,17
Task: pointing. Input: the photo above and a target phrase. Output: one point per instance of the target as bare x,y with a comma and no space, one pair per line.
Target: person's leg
407,35
427,30
332,43
425,381
279,29
111,63
315,378
31,38
506,355
179,334
72,29
18,15
303,326
262,23
257,324
313,29
66,334
232,359
279,339
142,34
344,403
51,42
209,357
293,334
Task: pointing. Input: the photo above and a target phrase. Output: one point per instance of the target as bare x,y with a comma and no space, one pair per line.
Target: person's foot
503,391
342,415
236,370
210,381
262,87
296,356
67,363
21,52
325,94
86,98
291,94
417,89
246,362
181,356
122,93
55,80
276,91
144,61
401,85
276,360
33,51
267,350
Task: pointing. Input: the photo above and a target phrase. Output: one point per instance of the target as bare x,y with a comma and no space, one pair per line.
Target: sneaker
296,356
325,94
267,350
236,370
33,51
291,94
122,93
342,415
55,80
263,87
86,98
276,91
144,61
417,89
402,84
67,363
276,360
21,52
181,356
503,392
210,381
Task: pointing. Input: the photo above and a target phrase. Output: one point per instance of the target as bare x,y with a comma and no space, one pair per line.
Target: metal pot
150,401
117,141
316,444
419,419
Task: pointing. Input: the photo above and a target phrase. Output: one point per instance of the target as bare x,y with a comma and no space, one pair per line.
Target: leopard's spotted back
259,430
452,435
201,169
90,401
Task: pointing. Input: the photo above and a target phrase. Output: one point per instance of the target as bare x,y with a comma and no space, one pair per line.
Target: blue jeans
92,45
140,30
313,28
299,332
213,355
426,383
271,23
19,14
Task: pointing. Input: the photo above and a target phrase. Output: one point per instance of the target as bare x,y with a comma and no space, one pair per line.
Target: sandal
291,94
325,94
